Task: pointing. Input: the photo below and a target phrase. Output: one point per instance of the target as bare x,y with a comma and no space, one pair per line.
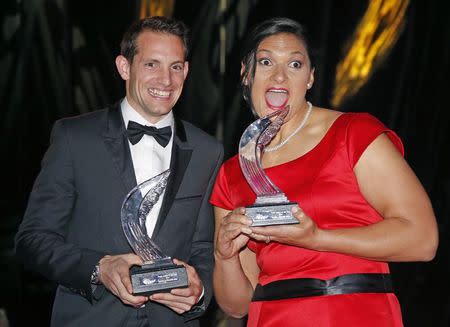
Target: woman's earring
308,85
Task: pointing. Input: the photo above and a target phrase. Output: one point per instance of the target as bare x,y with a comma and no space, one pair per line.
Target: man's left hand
181,300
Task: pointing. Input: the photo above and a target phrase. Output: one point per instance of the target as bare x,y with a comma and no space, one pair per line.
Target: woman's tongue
276,99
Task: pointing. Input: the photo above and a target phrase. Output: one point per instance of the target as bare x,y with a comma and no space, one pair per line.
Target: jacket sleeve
202,257
40,242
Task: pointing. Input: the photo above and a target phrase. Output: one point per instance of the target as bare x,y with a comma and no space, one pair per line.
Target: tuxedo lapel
117,144
181,155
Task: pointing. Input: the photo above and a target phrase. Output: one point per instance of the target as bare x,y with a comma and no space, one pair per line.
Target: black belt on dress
304,287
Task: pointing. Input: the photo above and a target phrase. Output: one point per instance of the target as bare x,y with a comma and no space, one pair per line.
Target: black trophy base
159,277
271,214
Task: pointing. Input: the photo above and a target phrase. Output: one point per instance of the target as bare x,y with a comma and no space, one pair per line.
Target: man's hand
114,274
181,300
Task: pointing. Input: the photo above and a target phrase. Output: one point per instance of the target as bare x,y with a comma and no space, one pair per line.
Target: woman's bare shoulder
323,118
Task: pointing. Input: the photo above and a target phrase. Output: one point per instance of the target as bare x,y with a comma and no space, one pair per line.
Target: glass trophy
271,206
158,273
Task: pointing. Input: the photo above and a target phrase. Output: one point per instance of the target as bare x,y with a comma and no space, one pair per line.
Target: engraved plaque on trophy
271,206
158,273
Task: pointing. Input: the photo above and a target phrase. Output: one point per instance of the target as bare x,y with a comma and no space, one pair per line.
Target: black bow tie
135,132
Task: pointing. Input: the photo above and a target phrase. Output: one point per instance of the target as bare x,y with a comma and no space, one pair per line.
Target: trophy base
159,277
271,214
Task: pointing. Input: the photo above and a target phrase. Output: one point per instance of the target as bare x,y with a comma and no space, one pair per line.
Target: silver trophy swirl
271,206
158,273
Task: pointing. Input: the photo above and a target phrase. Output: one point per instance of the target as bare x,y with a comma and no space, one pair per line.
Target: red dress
323,183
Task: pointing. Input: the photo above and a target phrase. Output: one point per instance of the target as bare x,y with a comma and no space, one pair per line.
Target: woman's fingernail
295,209
247,231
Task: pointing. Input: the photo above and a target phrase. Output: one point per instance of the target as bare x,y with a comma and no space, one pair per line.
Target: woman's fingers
232,233
298,213
262,237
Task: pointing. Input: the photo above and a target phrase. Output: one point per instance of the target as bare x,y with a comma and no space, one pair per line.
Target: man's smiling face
155,77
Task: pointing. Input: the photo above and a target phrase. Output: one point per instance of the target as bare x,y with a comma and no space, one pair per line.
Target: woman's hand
303,234
235,270
232,234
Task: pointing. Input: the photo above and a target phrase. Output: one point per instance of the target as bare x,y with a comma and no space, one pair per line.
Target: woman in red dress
359,204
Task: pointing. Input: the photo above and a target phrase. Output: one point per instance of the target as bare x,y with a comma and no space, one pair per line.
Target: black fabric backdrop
57,59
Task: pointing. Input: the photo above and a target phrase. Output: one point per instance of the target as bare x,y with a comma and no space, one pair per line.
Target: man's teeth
159,93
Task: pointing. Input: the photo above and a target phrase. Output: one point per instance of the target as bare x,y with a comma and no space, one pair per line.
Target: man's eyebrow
151,59
159,61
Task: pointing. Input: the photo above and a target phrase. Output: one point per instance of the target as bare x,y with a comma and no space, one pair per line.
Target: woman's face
282,76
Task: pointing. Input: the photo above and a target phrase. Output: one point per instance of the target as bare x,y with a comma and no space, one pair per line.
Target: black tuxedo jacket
73,216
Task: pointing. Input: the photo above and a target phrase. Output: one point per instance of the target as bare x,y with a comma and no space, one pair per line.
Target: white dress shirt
149,158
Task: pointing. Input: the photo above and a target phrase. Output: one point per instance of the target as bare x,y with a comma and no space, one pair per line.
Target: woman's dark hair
159,24
265,29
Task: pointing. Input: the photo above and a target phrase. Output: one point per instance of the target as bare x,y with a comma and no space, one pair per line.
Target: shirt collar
129,113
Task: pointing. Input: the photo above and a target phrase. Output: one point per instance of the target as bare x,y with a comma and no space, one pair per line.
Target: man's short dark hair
158,24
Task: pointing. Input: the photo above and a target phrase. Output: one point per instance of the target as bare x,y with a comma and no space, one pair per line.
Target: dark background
57,59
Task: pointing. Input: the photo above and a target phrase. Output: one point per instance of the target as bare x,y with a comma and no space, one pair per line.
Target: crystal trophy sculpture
158,273
271,206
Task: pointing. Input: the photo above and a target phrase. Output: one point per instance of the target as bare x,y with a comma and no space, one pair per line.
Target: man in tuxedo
71,232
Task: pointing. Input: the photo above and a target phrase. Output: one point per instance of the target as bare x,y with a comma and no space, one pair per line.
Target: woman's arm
235,271
408,231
